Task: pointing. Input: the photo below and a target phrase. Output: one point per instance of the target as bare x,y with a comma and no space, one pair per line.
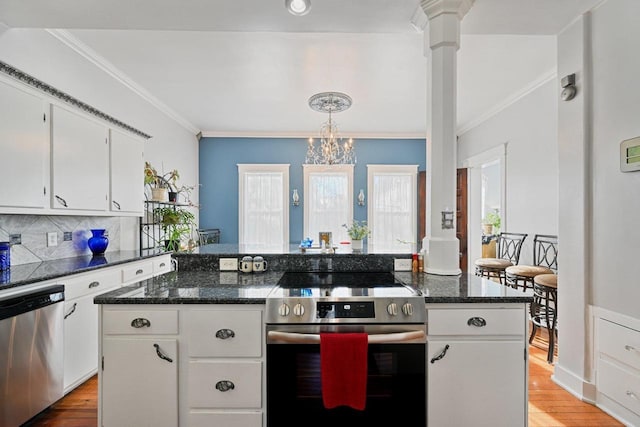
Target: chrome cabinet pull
632,395
441,355
162,264
630,348
73,309
62,201
477,321
225,385
161,355
140,322
139,271
224,334
117,204
94,284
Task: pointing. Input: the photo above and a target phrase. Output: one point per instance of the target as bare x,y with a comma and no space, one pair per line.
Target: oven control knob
407,309
284,310
392,309
298,310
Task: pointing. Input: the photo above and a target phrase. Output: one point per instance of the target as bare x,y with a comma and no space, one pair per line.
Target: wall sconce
361,197
447,219
295,198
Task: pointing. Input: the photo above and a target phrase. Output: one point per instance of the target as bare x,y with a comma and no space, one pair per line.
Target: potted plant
357,231
160,185
176,224
491,223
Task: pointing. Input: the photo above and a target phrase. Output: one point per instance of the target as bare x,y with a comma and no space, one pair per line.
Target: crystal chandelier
332,149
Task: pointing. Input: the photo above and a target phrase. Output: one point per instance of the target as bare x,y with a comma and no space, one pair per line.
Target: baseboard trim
575,385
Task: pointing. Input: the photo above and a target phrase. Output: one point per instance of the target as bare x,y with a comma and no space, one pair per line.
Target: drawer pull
224,334
139,271
140,322
630,348
161,355
225,385
477,322
441,355
94,284
162,264
632,395
73,309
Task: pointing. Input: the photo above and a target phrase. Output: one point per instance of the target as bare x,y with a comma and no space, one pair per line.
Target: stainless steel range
306,305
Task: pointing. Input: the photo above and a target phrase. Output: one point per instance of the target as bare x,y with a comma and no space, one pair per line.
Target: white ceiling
248,67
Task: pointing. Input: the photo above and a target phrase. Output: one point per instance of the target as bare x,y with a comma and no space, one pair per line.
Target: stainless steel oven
305,305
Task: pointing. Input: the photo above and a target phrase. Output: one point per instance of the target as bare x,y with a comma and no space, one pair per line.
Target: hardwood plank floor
549,404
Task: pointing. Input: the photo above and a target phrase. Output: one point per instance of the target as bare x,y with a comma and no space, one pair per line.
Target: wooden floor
549,405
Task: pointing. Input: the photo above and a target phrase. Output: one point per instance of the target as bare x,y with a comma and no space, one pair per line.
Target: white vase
159,194
356,245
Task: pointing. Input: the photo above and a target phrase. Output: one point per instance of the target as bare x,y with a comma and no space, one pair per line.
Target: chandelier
332,149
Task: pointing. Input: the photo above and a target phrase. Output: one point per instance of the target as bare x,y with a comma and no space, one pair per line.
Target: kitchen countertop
25,274
212,287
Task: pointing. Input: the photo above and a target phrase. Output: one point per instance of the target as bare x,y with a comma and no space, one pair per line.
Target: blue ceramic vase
98,242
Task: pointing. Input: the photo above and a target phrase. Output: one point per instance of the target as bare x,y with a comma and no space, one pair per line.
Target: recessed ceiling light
298,7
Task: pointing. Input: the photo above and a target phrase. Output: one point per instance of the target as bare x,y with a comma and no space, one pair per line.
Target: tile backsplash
34,228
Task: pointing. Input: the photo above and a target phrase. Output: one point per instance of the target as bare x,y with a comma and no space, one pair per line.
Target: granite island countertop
213,287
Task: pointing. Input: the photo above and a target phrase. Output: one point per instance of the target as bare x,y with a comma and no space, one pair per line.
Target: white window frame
403,170
243,170
346,170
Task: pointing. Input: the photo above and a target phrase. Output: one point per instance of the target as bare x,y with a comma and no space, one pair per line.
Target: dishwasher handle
29,301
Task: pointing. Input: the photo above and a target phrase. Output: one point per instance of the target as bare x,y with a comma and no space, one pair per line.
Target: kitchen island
188,348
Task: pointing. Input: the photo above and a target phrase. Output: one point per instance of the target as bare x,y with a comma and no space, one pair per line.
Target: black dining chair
207,236
545,261
508,247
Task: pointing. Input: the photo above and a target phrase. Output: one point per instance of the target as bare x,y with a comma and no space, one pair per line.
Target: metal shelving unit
151,234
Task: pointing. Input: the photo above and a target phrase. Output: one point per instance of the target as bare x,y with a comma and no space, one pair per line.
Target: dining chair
545,261
508,247
208,235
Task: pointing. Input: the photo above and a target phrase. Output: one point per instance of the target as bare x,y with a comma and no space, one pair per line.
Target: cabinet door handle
441,355
116,203
73,309
630,348
139,271
224,334
94,284
225,385
477,321
632,395
62,201
140,322
161,355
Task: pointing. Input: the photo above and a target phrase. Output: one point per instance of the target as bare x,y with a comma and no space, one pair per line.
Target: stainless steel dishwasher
31,353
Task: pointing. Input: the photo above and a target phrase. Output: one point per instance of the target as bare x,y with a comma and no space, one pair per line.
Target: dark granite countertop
24,274
212,287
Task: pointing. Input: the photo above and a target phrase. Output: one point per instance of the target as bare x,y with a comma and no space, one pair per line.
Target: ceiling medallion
332,149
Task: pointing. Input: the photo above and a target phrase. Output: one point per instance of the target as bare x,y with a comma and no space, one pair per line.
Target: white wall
529,127
40,54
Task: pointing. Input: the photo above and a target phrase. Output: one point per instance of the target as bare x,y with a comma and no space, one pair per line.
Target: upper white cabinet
24,148
127,190
80,162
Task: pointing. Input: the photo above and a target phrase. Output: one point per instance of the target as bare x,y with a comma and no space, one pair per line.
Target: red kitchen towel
343,369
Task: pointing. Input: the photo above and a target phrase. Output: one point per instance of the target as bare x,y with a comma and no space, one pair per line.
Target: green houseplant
491,223
357,231
176,224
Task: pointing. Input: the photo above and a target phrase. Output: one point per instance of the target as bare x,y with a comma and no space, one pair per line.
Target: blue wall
219,158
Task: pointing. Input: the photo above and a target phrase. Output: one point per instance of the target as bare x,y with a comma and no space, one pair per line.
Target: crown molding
433,8
314,135
92,56
507,102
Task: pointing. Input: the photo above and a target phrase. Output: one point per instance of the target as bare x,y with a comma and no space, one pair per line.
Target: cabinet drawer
94,283
137,271
226,419
620,385
149,322
224,333
207,381
619,342
161,265
497,321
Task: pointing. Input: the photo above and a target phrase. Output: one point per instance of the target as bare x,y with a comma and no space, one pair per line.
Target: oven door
396,380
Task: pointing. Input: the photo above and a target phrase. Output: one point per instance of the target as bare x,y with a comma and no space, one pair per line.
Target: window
263,223
392,208
328,200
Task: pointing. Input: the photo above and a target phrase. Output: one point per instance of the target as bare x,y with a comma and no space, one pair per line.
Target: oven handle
397,337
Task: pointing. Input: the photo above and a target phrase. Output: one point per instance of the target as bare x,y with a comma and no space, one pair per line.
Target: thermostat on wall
630,155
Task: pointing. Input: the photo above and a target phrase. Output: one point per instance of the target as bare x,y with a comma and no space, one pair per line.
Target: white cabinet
24,149
618,367
126,173
80,162
476,360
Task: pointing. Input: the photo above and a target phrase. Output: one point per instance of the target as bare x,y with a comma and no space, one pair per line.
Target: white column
442,40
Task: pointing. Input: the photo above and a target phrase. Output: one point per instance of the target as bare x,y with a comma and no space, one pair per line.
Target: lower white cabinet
139,382
477,362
